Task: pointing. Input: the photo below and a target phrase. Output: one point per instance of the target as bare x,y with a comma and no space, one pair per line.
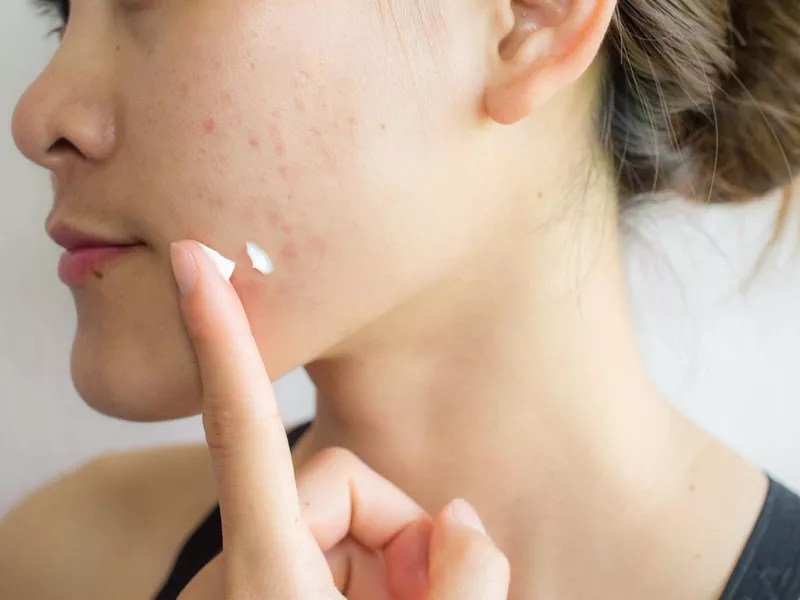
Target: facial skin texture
350,142
425,177
301,128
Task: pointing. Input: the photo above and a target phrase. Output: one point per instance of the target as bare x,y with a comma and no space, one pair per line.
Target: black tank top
769,568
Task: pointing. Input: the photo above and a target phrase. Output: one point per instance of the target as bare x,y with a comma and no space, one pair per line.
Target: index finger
245,434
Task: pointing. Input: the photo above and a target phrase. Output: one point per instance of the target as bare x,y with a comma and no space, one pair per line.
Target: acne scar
289,251
209,125
275,133
318,247
254,142
290,171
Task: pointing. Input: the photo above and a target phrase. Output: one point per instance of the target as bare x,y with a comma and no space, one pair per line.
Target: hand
337,529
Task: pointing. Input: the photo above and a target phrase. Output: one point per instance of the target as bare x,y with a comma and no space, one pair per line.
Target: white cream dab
224,266
260,259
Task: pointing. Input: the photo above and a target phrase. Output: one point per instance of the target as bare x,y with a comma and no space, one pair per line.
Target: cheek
278,164
296,144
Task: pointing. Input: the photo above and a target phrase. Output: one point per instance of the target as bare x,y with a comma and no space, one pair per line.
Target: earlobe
551,45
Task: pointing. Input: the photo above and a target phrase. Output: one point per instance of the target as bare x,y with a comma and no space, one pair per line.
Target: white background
728,358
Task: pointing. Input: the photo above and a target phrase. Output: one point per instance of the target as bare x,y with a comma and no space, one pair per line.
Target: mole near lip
77,267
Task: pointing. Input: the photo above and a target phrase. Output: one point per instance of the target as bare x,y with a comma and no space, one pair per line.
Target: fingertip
224,266
458,524
465,514
465,562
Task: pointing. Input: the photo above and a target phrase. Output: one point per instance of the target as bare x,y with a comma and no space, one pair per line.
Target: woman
438,184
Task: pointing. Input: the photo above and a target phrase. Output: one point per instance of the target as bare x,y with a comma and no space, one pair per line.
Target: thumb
464,563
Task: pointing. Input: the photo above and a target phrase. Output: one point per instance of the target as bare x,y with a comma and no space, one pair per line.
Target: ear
550,45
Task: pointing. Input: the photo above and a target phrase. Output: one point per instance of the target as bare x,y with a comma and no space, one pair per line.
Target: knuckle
220,426
226,425
336,457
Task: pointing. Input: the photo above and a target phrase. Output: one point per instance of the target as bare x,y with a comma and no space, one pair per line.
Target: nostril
62,146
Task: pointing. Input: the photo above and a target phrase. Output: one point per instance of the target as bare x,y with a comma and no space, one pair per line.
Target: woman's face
345,139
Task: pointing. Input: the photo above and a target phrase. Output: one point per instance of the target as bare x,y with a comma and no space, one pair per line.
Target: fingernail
184,268
224,265
464,513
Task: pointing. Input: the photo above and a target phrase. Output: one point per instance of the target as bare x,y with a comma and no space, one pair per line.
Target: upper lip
71,238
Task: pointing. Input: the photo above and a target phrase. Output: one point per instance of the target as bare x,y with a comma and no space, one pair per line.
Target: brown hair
702,97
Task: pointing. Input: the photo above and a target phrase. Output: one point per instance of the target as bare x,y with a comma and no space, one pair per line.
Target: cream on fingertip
260,259
224,265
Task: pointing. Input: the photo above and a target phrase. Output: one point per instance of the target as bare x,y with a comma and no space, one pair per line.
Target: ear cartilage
260,259
224,265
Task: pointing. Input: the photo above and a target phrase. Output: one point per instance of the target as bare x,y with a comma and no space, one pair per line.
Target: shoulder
109,529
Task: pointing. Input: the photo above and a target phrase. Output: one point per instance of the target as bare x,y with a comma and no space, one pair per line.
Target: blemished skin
427,179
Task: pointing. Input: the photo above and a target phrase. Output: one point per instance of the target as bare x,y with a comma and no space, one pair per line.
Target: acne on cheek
313,249
293,248
289,252
288,248
318,248
276,136
322,140
290,172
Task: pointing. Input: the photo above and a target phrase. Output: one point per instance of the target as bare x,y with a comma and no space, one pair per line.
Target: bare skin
109,530
448,267
112,528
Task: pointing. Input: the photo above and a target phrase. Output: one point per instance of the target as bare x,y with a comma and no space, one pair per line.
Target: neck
517,384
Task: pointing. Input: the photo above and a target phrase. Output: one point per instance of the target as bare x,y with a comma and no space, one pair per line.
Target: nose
67,114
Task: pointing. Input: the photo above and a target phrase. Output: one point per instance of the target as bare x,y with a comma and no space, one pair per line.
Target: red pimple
289,251
209,125
274,218
318,247
275,134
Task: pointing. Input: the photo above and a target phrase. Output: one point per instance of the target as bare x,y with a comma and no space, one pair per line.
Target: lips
88,256
71,238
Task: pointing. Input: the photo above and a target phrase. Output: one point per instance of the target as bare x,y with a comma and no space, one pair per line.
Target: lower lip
78,267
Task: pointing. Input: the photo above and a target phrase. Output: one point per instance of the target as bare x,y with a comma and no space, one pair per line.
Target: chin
126,376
